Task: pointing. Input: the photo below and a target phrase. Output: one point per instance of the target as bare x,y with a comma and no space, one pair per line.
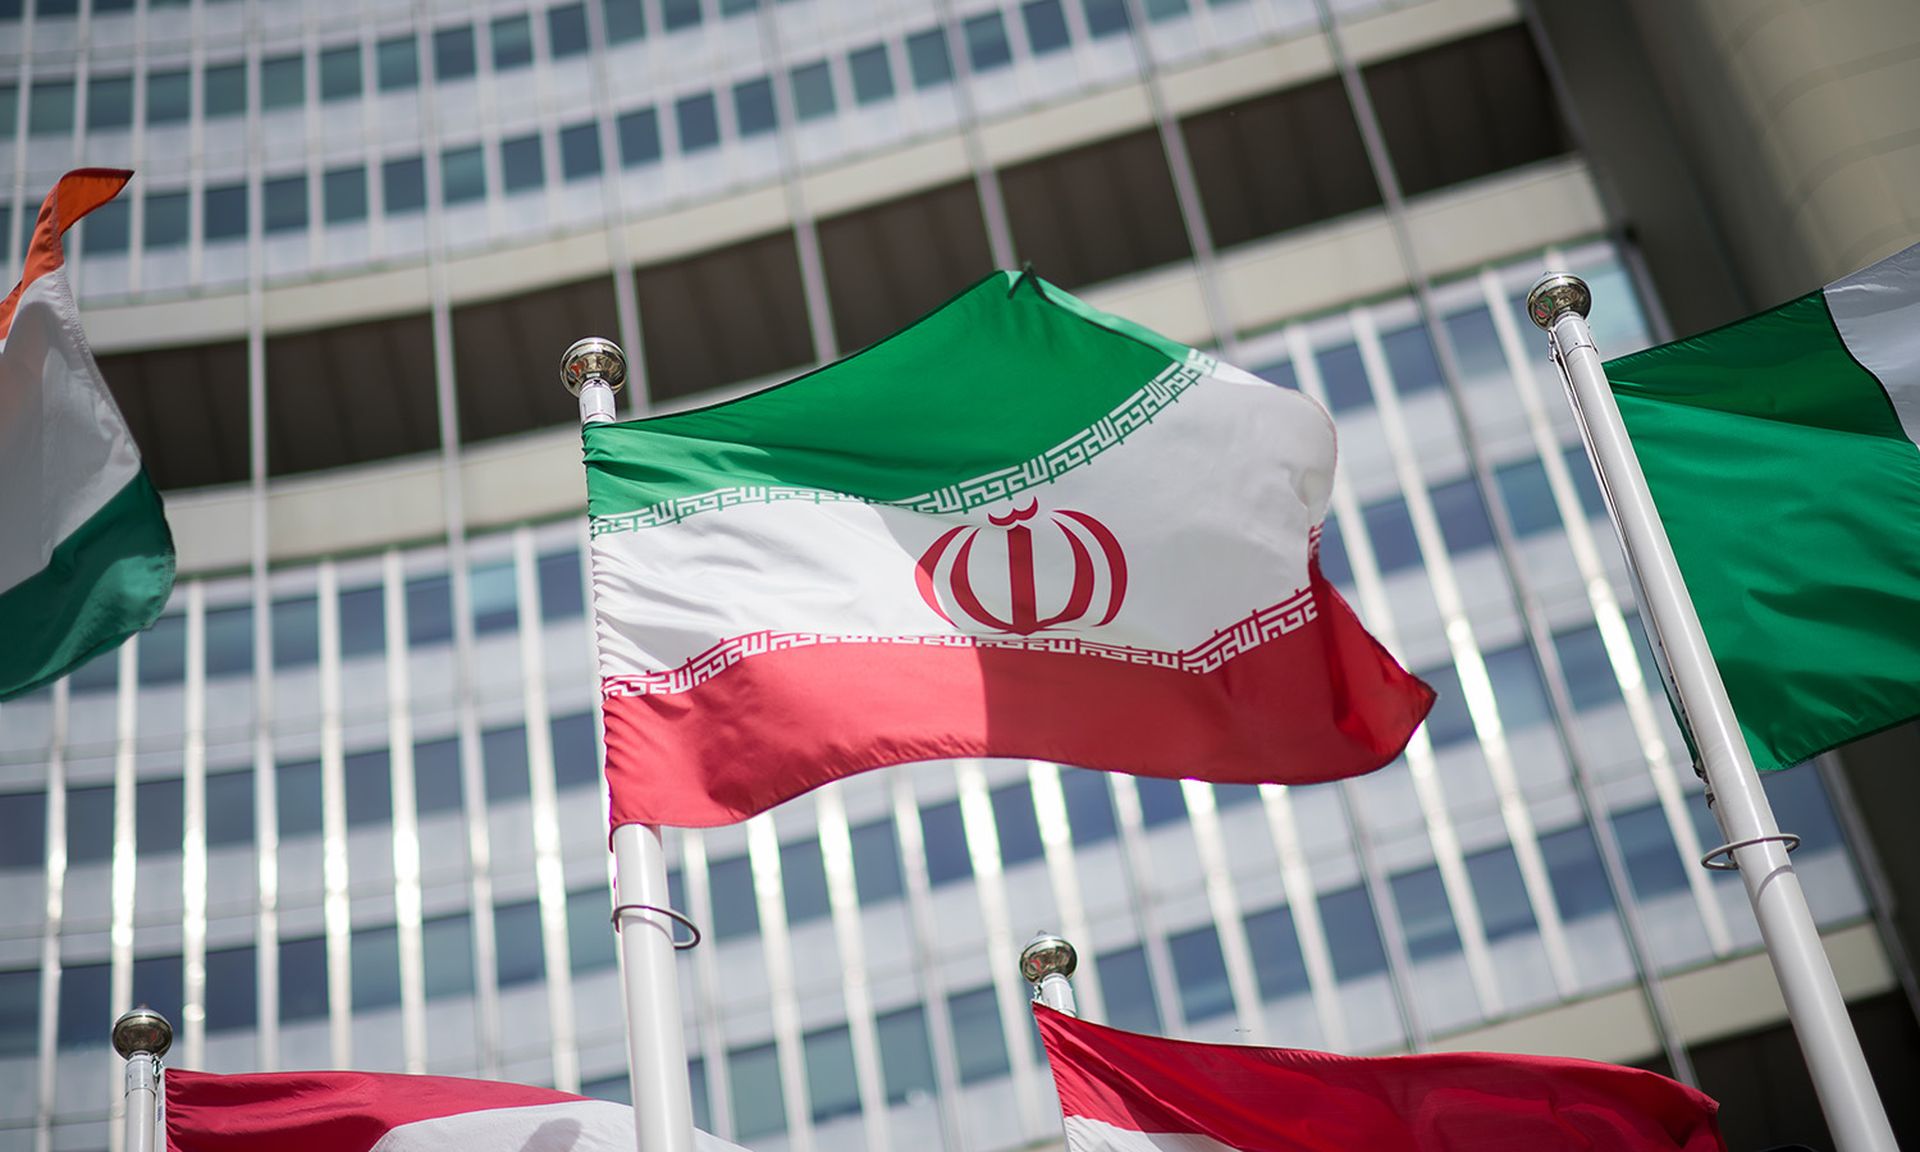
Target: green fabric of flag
1783,452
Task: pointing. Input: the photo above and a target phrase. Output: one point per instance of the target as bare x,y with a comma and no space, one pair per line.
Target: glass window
987,44
375,967
339,73
429,610
233,989
19,1013
1200,969
1527,496
979,1043
491,587
223,91
1588,670
9,110
872,74
759,1102
580,151
163,647
159,983
46,8
1573,867
504,751
436,776
297,798
1476,344
24,816
303,979
1464,523
1517,687
369,787
876,862
1126,984
50,111
906,1055
516,942
1105,17
1800,791
1158,10
753,106
343,195
562,595
945,834
224,213
1334,565
1090,816
1235,795
1046,25
100,674
639,133
521,166
697,1082
833,1088
463,175
286,204
166,219
1161,801
89,825
927,58
803,875
699,122
1344,377
625,20
169,98
1585,482
677,14
229,808
1353,936
160,817
1653,862
397,63
1449,723
1425,915
566,30
1411,360
1390,527
109,103
283,82
1016,824
512,42
1501,893
454,57
576,759
446,947
735,913
813,91
86,1018
590,942
736,7
229,641
362,610
1277,962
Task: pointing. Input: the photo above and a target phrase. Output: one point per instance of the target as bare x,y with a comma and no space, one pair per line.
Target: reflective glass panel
576,760
229,808
876,862
166,219
521,166
1528,497
232,993
169,97
86,1015
1574,868
699,122
296,632
343,195
1200,969
340,72
1425,915
446,944
1090,816
1518,689
504,751
516,940
375,962
833,1089
223,91
1277,962
283,82
753,106
1015,822
436,776
1046,24
987,45
566,30
1344,376
590,939
403,183
1390,527
580,151
1353,936
89,825
1653,862
1161,801
1464,523
19,1013
639,133
1501,893
944,832
512,42
735,913
109,103
927,58
906,1055
397,63
303,979
454,57
224,213
369,781
159,817
463,175
1126,983
297,797
803,876
24,817
872,74
979,1042
759,1102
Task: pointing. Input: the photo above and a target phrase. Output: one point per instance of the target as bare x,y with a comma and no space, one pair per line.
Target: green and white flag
85,556
1783,452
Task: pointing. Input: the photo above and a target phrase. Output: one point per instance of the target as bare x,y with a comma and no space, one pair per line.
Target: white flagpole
141,1037
1046,962
1559,303
594,369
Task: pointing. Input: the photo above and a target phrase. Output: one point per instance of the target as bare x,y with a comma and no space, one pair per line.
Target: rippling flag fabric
1122,1092
86,559
1020,527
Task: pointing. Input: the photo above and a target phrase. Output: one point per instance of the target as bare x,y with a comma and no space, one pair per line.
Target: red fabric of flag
1122,1092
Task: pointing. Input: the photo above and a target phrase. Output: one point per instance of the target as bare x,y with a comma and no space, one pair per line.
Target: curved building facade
341,805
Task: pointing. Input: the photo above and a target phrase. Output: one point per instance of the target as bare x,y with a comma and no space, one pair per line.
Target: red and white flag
362,1111
1122,1092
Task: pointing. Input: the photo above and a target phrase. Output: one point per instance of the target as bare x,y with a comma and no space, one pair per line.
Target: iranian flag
1783,453
368,1111
1123,1092
85,556
1020,528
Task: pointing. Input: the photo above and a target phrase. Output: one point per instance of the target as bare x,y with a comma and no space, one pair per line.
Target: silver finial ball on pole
594,369
1047,955
142,1031
1556,294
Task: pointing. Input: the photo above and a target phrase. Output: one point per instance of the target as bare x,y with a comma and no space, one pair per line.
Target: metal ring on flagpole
678,945
1712,859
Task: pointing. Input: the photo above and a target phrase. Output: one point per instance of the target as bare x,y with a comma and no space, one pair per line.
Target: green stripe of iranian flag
85,555
1783,452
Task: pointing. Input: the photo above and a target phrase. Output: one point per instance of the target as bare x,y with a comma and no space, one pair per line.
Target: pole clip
1712,859
678,945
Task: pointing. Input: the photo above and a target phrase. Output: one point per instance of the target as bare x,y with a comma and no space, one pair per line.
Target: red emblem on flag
1093,548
